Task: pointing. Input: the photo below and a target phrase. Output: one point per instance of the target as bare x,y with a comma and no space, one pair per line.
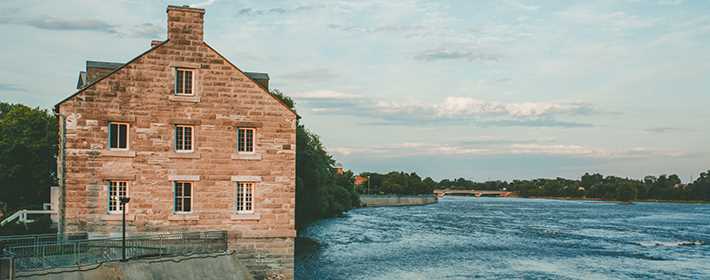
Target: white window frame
253,140
240,186
192,82
115,201
128,134
191,196
192,138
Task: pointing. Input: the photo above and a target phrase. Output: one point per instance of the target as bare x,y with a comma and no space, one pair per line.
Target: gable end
91,84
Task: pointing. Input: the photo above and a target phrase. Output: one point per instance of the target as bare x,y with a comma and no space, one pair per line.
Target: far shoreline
608,200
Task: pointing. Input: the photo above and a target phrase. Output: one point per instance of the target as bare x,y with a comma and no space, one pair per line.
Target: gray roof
103,64
114,65
257,75
82,80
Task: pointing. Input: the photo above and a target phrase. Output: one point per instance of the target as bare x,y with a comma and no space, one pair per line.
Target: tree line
396,183
663,187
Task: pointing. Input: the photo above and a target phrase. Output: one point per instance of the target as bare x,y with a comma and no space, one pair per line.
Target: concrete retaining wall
397,200
219,266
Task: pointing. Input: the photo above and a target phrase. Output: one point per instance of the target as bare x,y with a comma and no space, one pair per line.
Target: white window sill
117,217
183,217
184,155
184,98
246,217
246,156
118,153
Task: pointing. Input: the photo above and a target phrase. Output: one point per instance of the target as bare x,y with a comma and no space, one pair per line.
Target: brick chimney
185,25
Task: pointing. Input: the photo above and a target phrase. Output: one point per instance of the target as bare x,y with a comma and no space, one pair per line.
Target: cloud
617,20
500,148
275,11
453,110
203,4
670,2
453,54
521,6
146,30
52,23
311,75
11,87
664,129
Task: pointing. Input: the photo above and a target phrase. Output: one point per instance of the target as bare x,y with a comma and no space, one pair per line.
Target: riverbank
609,200
373,200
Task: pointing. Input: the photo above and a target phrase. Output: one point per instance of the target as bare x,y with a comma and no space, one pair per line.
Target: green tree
626,191
320,191
28,165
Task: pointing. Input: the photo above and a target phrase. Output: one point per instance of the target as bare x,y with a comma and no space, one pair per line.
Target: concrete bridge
443,192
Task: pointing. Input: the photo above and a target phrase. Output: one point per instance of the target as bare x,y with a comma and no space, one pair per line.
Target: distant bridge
444,192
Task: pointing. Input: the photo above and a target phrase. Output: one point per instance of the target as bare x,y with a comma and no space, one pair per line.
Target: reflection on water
504,238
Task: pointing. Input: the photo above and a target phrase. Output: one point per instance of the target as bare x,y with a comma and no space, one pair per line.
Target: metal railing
37,239
70,253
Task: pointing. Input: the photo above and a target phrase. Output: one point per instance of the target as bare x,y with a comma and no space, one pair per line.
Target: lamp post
124,200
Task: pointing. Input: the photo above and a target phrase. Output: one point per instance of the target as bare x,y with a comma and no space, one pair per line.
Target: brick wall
141,94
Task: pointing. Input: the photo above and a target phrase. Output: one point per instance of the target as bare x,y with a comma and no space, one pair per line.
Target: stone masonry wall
141,94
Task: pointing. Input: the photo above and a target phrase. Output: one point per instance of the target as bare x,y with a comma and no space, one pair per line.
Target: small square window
245,197
184,138
245,140
183,197
183,81
118,136
116,190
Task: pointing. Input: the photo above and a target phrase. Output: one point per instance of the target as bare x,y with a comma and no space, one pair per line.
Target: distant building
339,169
360,180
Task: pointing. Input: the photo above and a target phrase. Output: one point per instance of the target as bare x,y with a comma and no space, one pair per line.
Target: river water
510,238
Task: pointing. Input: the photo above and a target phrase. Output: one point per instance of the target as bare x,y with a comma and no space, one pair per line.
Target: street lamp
124,200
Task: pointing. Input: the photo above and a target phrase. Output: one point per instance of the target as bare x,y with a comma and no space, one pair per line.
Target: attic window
183,81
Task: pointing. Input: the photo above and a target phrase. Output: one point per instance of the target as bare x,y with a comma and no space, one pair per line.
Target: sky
482,90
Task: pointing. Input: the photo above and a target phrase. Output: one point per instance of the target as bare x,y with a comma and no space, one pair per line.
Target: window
116,190
183,197
183,138
245,140
118,136
245,197
183,81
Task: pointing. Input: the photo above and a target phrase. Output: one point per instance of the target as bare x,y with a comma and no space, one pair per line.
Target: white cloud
324,95
203,4
410,149
616,20
451,109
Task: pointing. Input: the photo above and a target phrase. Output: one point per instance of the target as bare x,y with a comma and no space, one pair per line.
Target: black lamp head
124,199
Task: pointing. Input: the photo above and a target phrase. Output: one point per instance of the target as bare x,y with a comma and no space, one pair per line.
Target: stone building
195,142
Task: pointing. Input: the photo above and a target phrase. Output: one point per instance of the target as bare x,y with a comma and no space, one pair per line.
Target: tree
28,138
320,191
700,189
626,191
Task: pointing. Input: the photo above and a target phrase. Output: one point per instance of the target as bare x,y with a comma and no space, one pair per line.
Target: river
510,238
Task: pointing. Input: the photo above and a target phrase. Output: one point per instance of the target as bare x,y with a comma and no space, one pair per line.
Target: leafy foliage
28,138
663,187
320,190
396,183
